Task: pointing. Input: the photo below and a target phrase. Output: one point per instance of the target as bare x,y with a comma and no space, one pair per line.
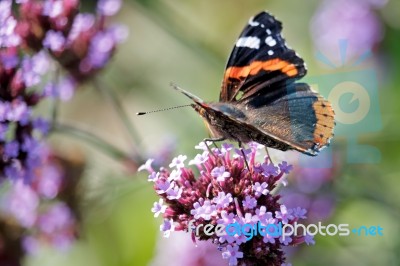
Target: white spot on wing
268,31
270,52
249,42
253,23
270,41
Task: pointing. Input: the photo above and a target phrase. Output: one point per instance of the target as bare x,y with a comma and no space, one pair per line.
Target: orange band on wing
325,121
256,66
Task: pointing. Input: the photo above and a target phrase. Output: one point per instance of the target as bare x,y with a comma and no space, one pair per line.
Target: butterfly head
209,118
201,109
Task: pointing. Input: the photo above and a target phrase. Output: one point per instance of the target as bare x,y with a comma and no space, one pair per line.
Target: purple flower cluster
224,192
20,130
80,43
35,207
47,48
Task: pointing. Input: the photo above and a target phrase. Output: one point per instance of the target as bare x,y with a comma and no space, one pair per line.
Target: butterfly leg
244,155
213,140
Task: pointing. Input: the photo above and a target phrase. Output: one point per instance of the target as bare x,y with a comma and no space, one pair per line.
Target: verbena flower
40,37
223,191
81,43
36,208
21,132
8,23
47,48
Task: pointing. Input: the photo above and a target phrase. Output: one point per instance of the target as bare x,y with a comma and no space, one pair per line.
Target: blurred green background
188,42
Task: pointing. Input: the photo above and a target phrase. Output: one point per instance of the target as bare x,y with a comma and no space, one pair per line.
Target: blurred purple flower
8,37
56,225
23,66
34,34
82,43
9,60
83,22
179,250
52,8
21,202
49,181
99,51
33,68
109,7
14,170
11,149
351,21
30,244
18,112
3,131
64,89
42,125
54,41
56,218
309,240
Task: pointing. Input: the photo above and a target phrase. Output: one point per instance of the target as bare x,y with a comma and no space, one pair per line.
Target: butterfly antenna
188,94
161,110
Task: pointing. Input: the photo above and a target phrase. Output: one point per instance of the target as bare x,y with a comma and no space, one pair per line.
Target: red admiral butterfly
260,100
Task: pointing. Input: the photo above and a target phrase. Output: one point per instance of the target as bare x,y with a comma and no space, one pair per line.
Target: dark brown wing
259,59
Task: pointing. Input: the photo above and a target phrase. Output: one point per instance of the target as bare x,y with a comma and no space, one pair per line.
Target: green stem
55,101
89,137
117,105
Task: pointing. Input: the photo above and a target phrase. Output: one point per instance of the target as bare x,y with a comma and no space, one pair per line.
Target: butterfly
260,99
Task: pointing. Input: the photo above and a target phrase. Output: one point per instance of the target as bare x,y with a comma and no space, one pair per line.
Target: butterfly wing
301,118
259,58
260,80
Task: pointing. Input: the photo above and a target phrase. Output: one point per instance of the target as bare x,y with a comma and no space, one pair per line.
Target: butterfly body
260,99
226,121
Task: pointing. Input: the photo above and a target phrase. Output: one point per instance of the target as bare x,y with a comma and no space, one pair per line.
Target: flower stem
94,140
54,104
117,105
